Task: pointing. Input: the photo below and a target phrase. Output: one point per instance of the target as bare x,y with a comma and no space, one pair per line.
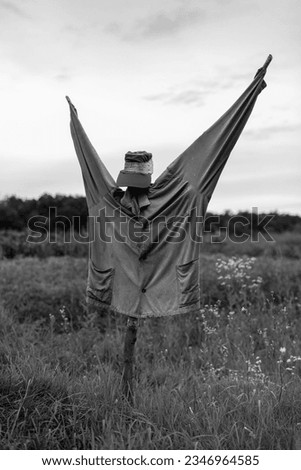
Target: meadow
226,378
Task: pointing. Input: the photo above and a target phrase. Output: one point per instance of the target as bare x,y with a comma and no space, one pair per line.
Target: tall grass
226,378
286,244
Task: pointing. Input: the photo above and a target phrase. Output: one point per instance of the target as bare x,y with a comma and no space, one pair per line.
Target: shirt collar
134,203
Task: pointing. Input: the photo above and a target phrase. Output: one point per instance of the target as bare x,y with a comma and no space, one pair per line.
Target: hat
138,168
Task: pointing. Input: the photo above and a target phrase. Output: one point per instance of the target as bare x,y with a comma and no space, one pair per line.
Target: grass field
227,378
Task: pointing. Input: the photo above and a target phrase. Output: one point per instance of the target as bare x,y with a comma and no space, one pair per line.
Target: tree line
15,214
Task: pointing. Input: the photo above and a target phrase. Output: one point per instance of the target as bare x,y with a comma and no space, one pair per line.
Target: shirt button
143,290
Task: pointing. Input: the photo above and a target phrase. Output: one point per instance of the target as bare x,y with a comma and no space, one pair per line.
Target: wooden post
129,347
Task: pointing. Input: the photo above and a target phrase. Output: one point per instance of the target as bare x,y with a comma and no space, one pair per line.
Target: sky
150,75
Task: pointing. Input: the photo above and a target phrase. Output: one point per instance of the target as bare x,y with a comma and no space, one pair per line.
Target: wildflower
62,310
235,273
282,350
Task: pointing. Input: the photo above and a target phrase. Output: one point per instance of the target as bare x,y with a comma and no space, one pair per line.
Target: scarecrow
145,241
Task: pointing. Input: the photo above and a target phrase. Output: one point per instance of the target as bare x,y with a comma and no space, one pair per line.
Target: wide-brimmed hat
138,168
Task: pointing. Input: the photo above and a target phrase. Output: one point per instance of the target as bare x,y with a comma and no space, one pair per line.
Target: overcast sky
149,75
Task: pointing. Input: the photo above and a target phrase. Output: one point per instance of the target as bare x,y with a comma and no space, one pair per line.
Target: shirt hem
193,308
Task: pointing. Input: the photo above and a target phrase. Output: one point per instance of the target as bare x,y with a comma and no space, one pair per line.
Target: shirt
135,204
148,263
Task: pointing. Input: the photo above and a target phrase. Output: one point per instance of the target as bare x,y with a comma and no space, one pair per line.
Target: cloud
184,16
62,77
194,92
161,24
235,79
178,97
269,131
197,90
14,9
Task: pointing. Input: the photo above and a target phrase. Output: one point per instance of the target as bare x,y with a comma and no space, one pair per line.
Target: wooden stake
129,347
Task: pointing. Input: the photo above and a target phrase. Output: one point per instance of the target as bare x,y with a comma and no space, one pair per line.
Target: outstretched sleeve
97,179
202,163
